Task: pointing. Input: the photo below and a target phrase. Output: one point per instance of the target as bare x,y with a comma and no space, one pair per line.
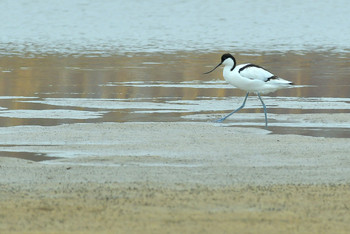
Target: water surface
105,27
58,89
133,61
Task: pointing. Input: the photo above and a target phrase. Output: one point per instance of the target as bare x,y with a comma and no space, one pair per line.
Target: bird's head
226,59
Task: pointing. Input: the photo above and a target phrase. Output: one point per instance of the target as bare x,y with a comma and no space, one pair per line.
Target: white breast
253,78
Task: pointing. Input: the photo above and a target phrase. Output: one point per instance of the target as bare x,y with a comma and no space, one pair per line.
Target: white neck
229,63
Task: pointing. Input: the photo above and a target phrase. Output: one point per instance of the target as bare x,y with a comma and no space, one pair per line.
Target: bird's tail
281,81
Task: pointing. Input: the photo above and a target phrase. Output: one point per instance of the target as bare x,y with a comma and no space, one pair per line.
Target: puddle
316,132
36,157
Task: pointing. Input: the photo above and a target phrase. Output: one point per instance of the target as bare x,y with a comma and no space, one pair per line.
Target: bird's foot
220,120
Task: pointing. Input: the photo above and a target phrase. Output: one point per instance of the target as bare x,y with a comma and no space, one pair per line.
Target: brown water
56,89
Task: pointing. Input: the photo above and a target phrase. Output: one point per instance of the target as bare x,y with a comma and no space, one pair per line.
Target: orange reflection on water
58,76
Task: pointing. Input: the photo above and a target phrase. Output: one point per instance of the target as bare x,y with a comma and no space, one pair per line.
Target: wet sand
173,178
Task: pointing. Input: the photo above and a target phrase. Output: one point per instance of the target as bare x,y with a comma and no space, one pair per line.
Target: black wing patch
249,65
271,78
264,77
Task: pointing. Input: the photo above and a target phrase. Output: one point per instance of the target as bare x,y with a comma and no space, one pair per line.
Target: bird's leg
222,119
265,112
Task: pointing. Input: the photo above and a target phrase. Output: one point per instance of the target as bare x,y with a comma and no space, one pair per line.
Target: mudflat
172,178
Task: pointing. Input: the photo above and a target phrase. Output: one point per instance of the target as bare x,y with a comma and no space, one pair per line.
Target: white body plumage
252,78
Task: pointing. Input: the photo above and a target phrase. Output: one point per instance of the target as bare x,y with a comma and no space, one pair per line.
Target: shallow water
105,27
117,61
56,89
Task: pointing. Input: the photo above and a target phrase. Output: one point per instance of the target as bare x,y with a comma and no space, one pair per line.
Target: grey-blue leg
222,119
265,112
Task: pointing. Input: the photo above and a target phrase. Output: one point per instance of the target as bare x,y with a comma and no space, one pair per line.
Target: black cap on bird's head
223,58
226,56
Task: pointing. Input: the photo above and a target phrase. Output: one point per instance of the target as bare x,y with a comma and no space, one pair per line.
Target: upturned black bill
212,69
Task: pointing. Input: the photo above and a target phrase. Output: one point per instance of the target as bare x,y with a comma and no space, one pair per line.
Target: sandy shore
172,178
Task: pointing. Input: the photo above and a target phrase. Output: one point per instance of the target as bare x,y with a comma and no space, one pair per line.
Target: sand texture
172,178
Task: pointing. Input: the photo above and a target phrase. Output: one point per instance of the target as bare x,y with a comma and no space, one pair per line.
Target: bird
250,78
